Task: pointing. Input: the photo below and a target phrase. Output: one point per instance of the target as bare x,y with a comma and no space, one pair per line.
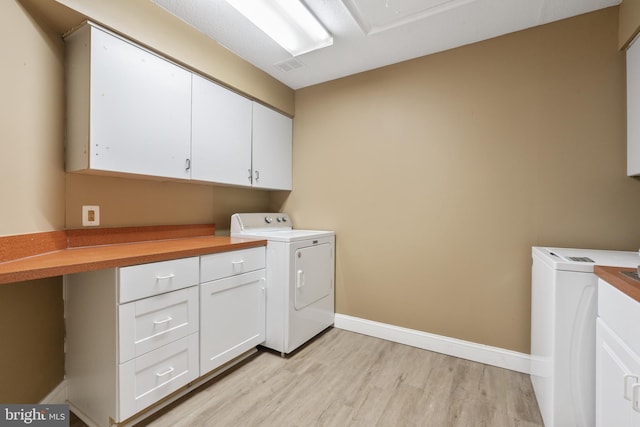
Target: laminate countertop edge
615,277
80,259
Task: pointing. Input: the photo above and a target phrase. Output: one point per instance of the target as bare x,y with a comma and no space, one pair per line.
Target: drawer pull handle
626,385
167,372
168,276
236,266
165,320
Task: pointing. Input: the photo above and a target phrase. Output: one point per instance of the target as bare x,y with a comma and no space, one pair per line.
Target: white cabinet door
633,109
232,318
221,134
272,146
129,110
617,380
141,110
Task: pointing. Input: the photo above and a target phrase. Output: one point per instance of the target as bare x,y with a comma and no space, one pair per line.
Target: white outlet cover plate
85,216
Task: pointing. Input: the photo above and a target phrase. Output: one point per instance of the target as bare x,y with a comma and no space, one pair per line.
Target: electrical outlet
90,216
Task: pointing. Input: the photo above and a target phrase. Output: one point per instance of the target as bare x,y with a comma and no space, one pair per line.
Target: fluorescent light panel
288,22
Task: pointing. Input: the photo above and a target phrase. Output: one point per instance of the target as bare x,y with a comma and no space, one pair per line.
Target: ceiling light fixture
288,22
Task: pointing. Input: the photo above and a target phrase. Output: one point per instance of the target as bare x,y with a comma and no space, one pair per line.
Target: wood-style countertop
99,250
614,276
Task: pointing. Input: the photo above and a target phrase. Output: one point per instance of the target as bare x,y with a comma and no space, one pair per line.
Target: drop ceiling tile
375,16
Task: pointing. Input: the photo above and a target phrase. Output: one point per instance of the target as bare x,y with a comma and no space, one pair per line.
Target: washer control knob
268,219
279,219
284,219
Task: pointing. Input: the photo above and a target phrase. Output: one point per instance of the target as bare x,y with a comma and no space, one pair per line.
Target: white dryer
300,277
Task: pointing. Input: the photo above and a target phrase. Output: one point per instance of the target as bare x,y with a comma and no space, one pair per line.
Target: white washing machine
564,303
300,277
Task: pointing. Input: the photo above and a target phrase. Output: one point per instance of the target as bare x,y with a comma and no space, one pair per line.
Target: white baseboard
488,355
57,396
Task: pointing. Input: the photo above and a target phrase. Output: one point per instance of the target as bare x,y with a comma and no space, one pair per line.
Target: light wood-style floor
347,379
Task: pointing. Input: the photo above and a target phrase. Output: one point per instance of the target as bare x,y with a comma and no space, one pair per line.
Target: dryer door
313,274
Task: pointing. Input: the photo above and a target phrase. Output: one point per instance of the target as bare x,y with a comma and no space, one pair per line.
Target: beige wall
32,188
32,356
440,173
128,202
31,123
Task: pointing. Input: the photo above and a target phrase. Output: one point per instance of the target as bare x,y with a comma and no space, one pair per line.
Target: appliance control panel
282,219
260,221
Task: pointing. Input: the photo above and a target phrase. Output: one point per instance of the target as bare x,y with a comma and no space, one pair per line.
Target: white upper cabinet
129,110
221,134
633,109
272,148
236,141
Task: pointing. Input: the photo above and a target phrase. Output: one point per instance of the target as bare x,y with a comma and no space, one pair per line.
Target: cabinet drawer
152,376
225,264
150,323
145,280
620,312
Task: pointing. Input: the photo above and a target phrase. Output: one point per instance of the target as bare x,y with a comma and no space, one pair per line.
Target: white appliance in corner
563,330
300,277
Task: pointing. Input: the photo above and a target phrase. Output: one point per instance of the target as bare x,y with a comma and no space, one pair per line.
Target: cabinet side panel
91,344
77,80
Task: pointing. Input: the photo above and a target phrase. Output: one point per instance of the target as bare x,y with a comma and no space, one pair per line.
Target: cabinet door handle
187,164
257,176
634,397
165,320
250,175
626,384
167,372
168,276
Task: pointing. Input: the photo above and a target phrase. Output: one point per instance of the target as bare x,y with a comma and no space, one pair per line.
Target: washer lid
570,259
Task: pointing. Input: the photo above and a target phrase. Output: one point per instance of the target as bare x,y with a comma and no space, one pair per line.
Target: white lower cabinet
232,318
232,305
617,359
135,335
618,386
122,357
